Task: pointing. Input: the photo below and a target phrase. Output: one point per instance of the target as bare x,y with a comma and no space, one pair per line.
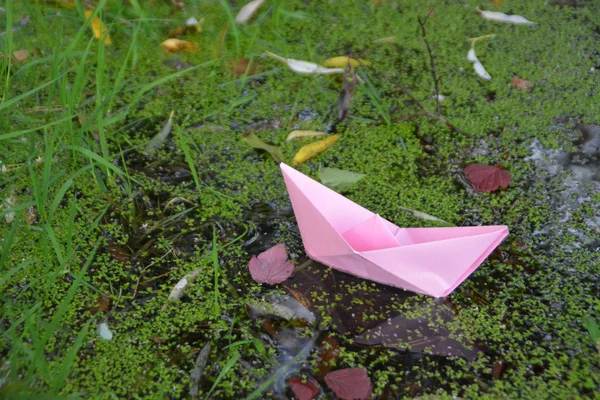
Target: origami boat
343,235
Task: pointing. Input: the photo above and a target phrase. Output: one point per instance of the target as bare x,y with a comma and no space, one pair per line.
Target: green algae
533,300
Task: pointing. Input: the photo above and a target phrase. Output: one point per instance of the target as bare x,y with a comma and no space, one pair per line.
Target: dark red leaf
486,178
304,390
271,266
350,383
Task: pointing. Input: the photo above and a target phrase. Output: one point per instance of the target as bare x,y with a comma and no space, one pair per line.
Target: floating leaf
98,28
350,383
486,178
253,140
182,285
247,12
422,215
479,68
281,306
521,84
339,179
310,150
304,389
501,17
305,67
157,140
343,61
192,25
177,45
327,354
301,134
104,331
271,266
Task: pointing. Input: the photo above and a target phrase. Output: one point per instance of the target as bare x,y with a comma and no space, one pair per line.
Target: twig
422,23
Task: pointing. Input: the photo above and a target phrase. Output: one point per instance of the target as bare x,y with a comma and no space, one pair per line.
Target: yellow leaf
177,45
310,150
343,61
98,28
300,134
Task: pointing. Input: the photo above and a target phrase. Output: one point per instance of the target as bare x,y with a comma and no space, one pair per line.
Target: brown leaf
304,389
346,94
241,66
177,45
521,84
329,352
102,305
486,178
20,55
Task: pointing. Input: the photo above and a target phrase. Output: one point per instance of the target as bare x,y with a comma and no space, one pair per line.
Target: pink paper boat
340,233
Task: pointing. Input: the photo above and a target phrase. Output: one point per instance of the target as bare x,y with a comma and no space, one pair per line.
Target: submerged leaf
281,306
501,17
310,150
350,79
350,383
254,141
301,134
177,45
422,215
339,179
486,178
157,140
247,12
305,67
198,370
343,62
98,28
271,266
304,389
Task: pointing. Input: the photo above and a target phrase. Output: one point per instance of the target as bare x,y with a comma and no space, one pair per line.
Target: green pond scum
94,230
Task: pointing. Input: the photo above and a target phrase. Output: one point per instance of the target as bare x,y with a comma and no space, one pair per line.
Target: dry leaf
243,66
343,61
176,45
301,134
350,79
305,67
501,17
310,150
9,202
20,55
157,140
98,28
479,68
198,370
182,285
31,215
192,25
248,11
521,83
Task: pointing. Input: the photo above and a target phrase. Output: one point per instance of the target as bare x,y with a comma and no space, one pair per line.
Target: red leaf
486,178
521,83
271,266
304,390
350,383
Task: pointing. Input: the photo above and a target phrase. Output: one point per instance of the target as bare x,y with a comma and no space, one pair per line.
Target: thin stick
422,23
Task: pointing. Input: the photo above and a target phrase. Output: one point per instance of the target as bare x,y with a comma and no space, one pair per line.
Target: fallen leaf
301,134
104,331
192,25
280,306
521,83
220,42
304,389
198,370
68,4
254,141
486,178
343,61
389,39
350,79
501,17
339,179
496,2
479,68
176,45
182,285
243,66
305,67
20,55
271,266
310,150
247,12
328,353
157,140
9,202
350,383
102,305
98,28
31,215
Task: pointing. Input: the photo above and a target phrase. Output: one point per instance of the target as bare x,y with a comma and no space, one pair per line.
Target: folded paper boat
343,235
